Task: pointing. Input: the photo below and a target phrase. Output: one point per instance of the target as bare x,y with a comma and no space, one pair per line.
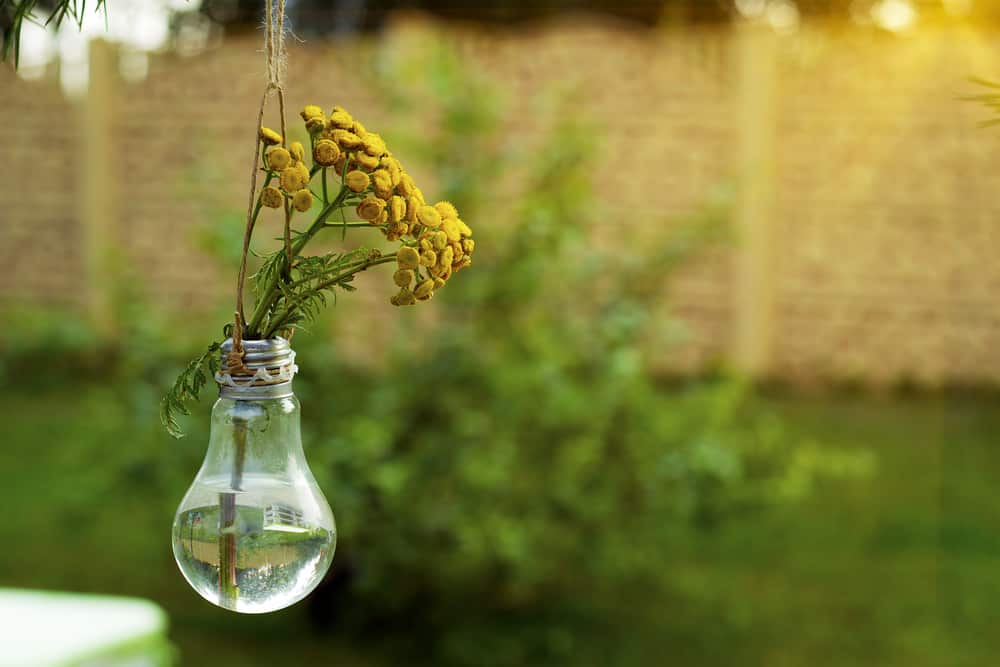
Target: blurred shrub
519,456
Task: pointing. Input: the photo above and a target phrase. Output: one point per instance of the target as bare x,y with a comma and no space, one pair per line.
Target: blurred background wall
849,165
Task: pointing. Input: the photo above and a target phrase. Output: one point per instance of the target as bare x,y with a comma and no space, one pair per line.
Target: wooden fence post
756,109
97,184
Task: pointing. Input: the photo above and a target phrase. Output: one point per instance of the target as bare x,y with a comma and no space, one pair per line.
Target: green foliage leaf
187,388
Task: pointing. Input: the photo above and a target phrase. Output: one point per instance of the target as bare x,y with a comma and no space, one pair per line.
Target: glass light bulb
254,533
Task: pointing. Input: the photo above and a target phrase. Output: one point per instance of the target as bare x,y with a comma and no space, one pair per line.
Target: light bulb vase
254,533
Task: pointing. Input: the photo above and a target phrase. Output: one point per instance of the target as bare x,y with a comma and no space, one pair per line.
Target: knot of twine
274,56
261,377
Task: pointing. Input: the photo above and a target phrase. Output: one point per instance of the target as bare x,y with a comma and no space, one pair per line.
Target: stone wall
882,233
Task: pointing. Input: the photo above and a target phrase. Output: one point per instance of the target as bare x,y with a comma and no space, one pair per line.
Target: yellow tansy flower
310,111
407,258
397,209
374,144
346,140
340,119
370,208
428,215
325,153
446,258
450,227
403,277
364,160
277,158
316,125
302,200
269,136
271,197
292,179
439,240
404,298
424,290
382,183
391,165
357,181
297,151
446,209
405,186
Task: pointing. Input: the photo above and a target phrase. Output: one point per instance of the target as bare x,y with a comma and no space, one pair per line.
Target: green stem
272,292
277,322
360,224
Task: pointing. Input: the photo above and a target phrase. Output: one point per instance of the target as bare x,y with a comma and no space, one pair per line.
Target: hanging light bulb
254,533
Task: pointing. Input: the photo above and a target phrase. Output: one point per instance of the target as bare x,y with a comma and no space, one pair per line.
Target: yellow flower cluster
289,166
436,242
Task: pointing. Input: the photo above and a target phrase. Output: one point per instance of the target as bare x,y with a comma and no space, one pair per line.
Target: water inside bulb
254,533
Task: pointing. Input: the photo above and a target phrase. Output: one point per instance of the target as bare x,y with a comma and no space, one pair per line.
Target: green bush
517,464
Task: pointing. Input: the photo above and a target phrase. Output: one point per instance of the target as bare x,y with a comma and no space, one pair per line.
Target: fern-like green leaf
187,387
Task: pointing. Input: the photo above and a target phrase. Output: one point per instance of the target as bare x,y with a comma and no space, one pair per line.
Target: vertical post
97,183
756,70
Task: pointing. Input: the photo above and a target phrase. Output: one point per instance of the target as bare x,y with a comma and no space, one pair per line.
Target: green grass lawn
902,568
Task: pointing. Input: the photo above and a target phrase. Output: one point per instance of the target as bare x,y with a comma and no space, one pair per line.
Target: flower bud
297,151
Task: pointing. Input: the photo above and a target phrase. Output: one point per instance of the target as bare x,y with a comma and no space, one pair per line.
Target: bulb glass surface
254,533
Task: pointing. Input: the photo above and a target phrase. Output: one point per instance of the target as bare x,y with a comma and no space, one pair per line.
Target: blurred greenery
514,485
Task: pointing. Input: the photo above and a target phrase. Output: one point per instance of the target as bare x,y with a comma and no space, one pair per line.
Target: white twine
274,43
264,376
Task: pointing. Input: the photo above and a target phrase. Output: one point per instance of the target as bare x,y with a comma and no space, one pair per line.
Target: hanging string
274,55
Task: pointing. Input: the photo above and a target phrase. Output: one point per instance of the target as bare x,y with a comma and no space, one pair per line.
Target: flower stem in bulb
228,588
